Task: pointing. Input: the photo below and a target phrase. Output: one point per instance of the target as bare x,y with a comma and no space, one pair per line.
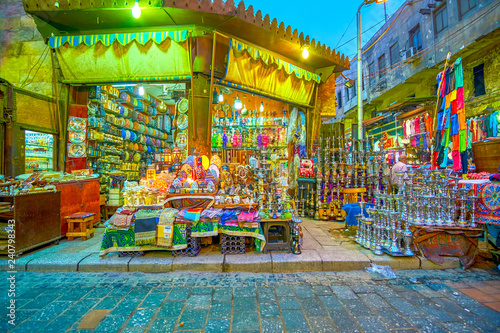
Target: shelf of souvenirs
117,114
37,145
244,125
247,148
34,156
129,104
142,133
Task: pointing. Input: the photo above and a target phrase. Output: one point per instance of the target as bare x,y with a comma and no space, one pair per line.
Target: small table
284,243
80,225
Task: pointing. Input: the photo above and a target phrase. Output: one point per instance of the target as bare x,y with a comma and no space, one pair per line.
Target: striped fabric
123,38
268,59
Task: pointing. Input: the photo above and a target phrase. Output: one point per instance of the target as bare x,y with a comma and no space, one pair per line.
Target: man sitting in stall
400,166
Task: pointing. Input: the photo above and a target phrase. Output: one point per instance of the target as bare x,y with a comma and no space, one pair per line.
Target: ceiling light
136,10
221,97
261,106
141,91
237,104
305,53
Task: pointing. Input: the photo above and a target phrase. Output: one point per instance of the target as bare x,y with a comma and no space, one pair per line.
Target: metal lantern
166,157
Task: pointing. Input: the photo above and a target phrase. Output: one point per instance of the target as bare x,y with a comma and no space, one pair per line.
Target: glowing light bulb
305,53
136,10
261,106
237,104
141,91
221,98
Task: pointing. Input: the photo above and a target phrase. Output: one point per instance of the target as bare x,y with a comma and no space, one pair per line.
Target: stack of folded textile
189,216
165,228
211,215
229,218
146,221
249,219
123,219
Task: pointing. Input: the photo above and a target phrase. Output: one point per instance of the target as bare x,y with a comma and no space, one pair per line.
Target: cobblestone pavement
416,300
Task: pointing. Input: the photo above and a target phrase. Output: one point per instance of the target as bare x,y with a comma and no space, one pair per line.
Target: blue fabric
440,121
454,124
494,124
352,209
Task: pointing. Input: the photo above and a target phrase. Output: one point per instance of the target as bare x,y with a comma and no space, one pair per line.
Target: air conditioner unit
406,54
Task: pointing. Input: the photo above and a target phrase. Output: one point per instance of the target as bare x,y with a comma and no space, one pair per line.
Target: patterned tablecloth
488,208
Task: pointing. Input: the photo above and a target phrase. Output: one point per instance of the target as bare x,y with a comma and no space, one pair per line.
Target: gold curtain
121,63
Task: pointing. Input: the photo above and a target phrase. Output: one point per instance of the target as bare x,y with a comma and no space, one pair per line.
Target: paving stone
266,294
289,303
132,330
285,291
356,307
217,325
343,292
487,313
245,292
392,319
179,294
245,321
120,291
29,326
241,304
161,325
385,291
322,290
313,307
98,293
111,324
108,302
294,320
222,293
371,324
193,319
171,309
374,301
153,301
269,310
125,307
438,313
304,291
405,307
40,302
141,317
51,311
202,291
139,292
272,326
459,328
426,325
220,309
331,302
198,302
343,320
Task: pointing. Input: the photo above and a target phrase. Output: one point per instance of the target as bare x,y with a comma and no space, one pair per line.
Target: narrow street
416,301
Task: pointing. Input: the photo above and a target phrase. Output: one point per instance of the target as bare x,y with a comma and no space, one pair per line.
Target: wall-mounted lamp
136,10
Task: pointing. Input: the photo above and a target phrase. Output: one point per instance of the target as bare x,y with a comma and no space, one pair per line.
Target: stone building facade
400,69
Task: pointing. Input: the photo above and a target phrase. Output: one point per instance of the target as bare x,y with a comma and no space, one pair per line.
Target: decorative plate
77,137
194,187
182,122
168,123
183,105
211,177
189,160
76,150
214,170
181,139
77,124
216,160
490,196
205,162
292,125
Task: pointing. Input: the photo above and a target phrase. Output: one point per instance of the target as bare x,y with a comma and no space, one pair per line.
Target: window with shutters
440,19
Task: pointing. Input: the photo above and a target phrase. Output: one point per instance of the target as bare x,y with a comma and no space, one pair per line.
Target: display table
37,221
79,196
283,241
434,242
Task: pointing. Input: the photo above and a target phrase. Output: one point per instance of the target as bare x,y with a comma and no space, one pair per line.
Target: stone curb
275,262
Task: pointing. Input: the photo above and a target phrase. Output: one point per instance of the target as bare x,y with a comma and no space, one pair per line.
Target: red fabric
417,125
79,215
434,160
460,98
457,166
454,107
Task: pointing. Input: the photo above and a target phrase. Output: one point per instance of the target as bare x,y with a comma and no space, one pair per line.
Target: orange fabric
456,141
462,124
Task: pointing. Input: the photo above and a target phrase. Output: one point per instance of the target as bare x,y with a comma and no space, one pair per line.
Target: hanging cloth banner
127,57
254,68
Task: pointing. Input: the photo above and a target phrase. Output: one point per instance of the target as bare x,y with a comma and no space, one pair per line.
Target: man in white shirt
400,166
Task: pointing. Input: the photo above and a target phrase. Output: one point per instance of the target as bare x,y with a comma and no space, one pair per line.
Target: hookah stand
294,227
472,222
462,222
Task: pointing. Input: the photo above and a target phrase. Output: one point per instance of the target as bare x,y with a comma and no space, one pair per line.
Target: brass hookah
326,166
318,181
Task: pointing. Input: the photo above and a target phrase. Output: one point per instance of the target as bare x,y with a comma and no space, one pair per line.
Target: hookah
302,201
295,229
472,222
359,217
394,247
463,207
378,228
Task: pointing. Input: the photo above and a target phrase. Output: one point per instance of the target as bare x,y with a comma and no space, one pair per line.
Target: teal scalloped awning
267,58
124,38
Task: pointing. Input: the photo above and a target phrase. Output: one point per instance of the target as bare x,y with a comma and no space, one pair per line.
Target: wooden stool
109,211
80,225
